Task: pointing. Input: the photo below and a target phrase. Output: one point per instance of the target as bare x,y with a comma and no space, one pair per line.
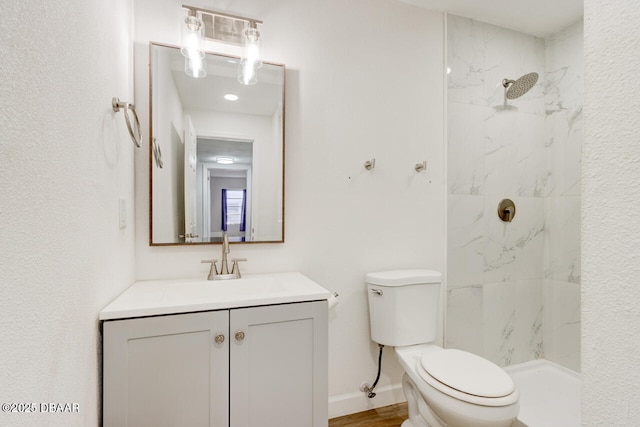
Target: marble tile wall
563,132
500,275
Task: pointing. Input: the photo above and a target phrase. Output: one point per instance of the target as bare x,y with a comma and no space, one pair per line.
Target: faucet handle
213,270
235,268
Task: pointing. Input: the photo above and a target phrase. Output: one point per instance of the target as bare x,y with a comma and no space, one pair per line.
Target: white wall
65,160
610,220
364,79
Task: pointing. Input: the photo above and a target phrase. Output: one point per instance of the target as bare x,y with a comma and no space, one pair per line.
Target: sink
156,297
228,289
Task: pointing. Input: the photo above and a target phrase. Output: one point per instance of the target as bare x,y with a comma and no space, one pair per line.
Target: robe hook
370,164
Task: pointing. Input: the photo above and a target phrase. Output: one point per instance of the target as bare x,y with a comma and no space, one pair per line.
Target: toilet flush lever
377,291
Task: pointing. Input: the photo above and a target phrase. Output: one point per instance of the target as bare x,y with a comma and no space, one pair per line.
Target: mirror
216,164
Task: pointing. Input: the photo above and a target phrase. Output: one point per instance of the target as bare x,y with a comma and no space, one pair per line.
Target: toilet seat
467,377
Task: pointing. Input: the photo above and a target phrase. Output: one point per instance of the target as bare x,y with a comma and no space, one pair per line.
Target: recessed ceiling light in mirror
231,97
225,160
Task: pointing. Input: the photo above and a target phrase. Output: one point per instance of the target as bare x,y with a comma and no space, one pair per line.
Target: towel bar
117,105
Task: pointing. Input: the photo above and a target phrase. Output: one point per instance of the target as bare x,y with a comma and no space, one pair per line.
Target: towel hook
117,105
419,167
370,164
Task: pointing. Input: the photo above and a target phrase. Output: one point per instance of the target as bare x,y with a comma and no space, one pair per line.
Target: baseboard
350,403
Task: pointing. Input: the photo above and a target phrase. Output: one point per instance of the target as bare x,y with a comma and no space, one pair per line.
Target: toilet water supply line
366,388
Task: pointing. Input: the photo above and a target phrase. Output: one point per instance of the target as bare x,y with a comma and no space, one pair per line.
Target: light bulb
250,61
192,36
252,47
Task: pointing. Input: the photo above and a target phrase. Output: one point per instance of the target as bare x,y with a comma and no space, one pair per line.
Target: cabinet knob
239,336
219,339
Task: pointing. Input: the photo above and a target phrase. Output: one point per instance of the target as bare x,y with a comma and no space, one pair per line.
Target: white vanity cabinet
262,366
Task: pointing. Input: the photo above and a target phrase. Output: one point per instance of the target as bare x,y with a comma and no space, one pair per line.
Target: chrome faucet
224,273
224,269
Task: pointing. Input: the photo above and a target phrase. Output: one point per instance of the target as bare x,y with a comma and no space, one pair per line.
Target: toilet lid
467,373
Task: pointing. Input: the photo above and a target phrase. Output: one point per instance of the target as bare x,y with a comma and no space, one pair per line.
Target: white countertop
155,297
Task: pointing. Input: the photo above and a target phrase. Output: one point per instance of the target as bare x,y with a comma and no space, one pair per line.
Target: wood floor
388,416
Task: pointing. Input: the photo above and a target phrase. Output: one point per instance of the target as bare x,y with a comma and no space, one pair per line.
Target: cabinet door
166,371
278,370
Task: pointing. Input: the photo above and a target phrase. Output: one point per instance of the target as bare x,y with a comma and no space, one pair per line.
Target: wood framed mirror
216,152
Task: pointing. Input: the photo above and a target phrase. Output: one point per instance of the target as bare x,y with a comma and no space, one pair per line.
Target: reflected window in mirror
234,214
215,134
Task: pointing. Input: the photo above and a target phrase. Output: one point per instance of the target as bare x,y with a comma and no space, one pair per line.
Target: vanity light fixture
225,160
225,28
231,97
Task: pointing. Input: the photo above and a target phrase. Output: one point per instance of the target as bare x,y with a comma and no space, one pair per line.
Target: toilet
443,387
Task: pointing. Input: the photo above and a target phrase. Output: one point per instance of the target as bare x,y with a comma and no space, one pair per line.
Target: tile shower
514,288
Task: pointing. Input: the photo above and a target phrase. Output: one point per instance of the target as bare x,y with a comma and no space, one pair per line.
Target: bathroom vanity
250,352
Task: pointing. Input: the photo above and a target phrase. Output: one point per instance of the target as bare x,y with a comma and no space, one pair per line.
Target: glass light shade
247,73
192,36
195,66
251,57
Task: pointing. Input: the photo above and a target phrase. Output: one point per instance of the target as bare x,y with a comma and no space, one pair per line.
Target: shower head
516,88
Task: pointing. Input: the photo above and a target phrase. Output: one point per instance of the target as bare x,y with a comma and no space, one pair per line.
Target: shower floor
549,394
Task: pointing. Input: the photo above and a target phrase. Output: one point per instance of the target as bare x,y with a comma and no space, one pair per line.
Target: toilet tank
403,306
